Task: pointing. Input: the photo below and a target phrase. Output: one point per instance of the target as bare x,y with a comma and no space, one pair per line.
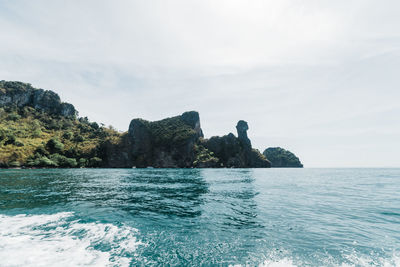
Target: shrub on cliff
205,158
54,146
40,161
13,117
63,161
95,162
10,139
170,131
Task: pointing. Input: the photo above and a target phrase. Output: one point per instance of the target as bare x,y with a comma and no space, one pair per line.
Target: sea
200,217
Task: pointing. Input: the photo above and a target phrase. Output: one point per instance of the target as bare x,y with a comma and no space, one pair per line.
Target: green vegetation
32,138
170,132
12,88
204,157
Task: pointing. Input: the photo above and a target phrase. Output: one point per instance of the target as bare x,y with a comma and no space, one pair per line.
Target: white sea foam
57,240
370,261
281,263
353,260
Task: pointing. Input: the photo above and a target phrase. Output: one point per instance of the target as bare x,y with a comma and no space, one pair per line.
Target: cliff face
167,143
115,153
281,158
23,94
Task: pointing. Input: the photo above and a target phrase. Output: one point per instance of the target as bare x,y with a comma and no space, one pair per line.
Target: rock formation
23,94
235,151
242,128
178,142
166,143
281,158
192,119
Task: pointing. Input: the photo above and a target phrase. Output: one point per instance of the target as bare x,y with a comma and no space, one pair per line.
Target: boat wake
59,240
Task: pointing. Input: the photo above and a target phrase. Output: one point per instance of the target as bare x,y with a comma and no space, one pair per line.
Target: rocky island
281,158
38,130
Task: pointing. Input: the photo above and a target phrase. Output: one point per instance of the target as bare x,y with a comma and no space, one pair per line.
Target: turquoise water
192,217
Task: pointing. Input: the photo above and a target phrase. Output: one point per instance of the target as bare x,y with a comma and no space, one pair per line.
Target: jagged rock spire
242,128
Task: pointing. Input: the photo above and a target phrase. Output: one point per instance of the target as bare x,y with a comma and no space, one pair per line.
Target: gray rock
235,151
192,118
166,143
23,94
242,128
141,143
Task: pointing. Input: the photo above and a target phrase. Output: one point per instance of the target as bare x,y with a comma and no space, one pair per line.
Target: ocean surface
200,217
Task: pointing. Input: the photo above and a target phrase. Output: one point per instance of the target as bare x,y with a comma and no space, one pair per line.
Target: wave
280,263
351,260
58,240
369,260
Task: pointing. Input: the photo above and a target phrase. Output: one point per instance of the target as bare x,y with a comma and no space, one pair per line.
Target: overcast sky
320,78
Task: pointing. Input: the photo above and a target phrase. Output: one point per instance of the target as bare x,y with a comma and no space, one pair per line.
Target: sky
319,78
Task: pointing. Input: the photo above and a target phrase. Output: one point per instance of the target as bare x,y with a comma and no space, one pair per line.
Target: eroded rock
23,94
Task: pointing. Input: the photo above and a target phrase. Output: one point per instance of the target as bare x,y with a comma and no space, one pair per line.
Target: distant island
282,158
38,130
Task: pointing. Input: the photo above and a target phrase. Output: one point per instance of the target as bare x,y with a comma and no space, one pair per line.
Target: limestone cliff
166,143
23,94
37,130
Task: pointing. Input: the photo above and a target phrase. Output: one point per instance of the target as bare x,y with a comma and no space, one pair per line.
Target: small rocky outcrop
23,94
281,158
